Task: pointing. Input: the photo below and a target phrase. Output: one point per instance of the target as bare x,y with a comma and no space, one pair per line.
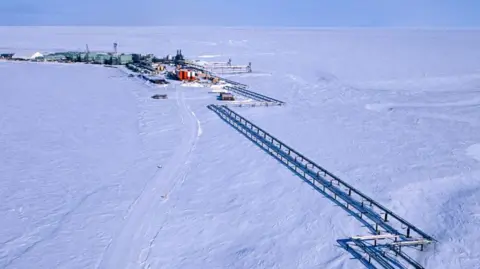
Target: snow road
131,247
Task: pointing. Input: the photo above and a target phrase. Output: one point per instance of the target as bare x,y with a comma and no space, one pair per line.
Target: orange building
184,74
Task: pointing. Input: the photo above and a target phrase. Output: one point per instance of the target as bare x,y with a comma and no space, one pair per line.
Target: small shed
226,96
159,96
158,81
155,79
158,67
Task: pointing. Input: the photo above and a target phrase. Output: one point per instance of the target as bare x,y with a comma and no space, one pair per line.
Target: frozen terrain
96,174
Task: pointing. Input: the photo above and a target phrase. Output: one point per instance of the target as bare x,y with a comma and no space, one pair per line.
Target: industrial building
186,75
108,58
226,96
185,70
6,56
55,58
103,58
179,59
124,59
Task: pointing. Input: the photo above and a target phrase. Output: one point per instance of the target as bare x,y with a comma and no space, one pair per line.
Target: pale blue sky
313,13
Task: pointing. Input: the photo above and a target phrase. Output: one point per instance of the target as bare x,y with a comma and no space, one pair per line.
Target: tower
87,54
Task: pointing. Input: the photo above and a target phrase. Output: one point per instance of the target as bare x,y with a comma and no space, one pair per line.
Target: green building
125,59
64,57
55,58
90,57
103,58
72,56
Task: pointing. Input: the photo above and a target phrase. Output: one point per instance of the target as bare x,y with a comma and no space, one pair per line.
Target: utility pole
87,55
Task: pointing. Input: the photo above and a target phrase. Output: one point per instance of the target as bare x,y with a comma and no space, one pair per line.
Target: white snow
192,85
36,55
26,55
210,56
77,147
474,151
216,90
199,125
97,174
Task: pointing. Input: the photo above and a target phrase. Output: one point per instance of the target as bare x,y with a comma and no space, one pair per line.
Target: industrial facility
391,233
87,56
159,71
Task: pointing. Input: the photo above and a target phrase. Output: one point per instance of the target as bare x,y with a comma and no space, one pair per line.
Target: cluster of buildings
87,56
148,67
73,57
147,64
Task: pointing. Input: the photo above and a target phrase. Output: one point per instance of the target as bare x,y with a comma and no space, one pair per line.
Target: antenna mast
87,54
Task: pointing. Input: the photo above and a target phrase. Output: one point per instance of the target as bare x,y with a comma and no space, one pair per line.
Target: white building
26,55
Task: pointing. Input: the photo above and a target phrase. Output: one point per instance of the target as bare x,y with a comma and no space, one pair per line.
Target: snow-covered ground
96,174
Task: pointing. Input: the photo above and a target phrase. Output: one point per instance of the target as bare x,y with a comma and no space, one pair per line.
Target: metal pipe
401,220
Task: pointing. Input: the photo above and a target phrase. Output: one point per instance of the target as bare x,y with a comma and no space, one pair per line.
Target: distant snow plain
96,174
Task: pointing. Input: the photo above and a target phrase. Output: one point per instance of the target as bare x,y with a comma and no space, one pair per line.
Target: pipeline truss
391,233
254,95
249,104
236,84
211,73
220,67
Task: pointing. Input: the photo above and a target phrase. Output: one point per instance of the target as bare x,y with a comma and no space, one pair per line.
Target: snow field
393,112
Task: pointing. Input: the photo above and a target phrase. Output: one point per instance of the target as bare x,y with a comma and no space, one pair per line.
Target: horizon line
260,27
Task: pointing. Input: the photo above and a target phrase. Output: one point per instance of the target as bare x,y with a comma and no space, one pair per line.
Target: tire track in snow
145,264
132,246
187,160
199,125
